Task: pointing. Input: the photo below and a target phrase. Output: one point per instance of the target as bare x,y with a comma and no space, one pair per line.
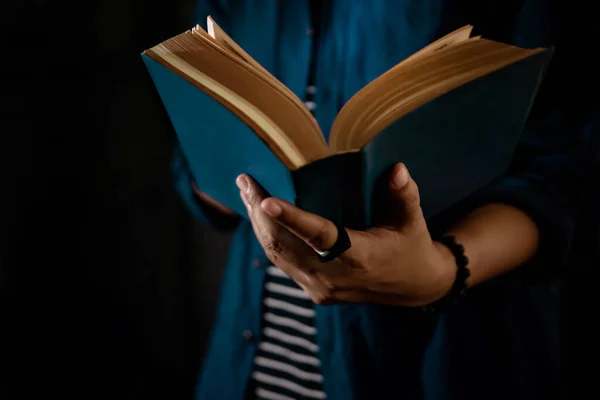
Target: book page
260,102
225,40
412,84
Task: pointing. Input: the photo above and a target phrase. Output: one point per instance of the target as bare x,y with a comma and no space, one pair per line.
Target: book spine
333,188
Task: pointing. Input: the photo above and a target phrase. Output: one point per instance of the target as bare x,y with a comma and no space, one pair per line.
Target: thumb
406,203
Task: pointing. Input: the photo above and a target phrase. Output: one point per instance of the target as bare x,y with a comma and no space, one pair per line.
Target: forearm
555,176
546,207
497,239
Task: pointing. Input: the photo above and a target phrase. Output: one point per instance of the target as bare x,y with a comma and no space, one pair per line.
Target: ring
341,245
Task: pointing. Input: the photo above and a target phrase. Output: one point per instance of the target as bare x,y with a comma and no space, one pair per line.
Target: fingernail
271,208
242,183
401,178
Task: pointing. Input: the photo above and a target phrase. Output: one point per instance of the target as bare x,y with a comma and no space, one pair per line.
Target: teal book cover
453,146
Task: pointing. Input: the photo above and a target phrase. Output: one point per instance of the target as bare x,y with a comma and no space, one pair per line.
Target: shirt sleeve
555,173
183,179
560,192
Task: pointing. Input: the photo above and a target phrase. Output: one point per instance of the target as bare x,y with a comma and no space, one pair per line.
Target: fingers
269,234
363,296
285,237
369,297
406,202
319,233
280,246
252,191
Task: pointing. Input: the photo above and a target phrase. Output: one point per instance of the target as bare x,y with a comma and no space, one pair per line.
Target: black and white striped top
286,364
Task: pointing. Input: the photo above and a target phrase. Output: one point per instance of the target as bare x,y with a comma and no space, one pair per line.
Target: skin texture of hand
396,263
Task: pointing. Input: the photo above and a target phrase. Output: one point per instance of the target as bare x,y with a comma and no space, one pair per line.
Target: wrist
446,269
456,272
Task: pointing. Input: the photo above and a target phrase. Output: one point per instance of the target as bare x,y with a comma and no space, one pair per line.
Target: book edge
243,109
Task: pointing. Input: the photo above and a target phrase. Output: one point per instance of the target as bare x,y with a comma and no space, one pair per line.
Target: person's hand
397,263
212,202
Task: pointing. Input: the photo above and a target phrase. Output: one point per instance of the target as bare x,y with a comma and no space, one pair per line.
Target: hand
212,202
397,263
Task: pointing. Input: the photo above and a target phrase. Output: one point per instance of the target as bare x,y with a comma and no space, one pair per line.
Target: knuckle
417,195
270,241
274,248
323,282
253,198
414,199
272,257
377,287
322,297
320,300
318,240
328,292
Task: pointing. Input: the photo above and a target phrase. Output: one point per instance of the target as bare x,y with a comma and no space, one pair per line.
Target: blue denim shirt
486,348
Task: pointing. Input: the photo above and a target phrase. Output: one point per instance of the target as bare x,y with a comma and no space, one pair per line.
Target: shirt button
256,263
247,335
311,105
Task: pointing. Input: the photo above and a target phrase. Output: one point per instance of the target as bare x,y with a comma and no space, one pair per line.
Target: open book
453,113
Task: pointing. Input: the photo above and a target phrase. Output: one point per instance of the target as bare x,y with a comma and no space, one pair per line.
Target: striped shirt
286,364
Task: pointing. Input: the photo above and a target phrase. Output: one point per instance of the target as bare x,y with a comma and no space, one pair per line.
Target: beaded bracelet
459,287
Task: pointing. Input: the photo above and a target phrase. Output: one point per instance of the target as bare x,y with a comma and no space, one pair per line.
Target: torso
364,351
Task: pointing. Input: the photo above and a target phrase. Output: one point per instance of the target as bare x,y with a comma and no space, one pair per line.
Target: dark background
107,285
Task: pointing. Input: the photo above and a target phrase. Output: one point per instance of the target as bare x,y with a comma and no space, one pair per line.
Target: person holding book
311,309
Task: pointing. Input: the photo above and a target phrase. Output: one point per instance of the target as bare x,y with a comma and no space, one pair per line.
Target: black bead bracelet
459,286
